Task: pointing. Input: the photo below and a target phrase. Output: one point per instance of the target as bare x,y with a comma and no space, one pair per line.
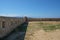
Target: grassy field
41,28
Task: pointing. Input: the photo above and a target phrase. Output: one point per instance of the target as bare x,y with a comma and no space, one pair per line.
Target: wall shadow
18,33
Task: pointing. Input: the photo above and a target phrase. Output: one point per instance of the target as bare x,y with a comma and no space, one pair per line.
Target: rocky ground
34,31
42,35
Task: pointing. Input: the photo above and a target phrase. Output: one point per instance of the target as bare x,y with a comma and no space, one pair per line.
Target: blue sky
30,8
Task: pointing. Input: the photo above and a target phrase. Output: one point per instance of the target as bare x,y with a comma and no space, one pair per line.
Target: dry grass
42,30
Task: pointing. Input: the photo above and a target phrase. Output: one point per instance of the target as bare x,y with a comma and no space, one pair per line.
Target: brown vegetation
44,19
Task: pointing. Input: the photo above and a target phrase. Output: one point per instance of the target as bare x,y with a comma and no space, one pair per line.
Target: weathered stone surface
9,24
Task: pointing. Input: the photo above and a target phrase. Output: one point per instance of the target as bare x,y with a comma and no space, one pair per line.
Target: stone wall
7,24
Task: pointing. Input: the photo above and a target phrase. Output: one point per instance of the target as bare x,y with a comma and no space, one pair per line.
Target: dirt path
42,35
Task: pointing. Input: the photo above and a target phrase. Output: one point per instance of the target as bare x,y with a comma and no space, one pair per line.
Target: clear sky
30,8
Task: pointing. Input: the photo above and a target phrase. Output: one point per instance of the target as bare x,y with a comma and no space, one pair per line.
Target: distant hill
44,19
35,19
9,17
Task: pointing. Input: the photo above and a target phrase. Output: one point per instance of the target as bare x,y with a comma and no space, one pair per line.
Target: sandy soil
42,35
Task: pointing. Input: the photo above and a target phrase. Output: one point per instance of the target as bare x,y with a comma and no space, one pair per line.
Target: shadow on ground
18,33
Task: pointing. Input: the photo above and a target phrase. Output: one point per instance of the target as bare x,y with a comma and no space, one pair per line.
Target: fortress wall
9,24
